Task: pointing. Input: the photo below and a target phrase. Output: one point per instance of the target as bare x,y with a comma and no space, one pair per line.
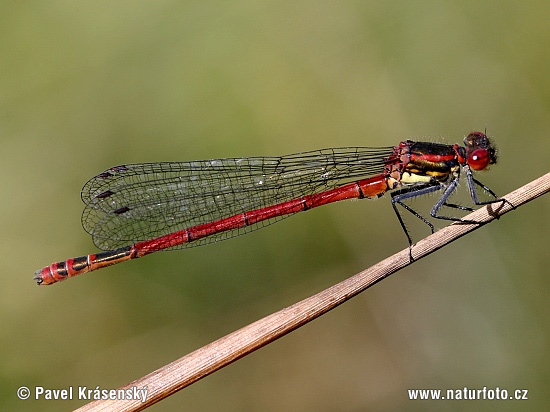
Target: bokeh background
87,85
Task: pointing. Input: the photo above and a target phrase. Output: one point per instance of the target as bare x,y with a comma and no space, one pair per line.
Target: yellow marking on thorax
410,178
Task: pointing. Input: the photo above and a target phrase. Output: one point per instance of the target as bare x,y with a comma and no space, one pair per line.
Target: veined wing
135,202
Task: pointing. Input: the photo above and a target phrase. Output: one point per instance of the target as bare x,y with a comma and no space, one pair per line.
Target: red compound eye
479,159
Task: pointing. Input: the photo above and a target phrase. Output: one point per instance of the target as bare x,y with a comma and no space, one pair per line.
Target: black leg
400,196
473,182
410,192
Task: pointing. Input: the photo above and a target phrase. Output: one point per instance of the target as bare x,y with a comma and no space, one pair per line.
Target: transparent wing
135,202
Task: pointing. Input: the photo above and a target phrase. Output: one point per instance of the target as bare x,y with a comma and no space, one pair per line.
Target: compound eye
479,159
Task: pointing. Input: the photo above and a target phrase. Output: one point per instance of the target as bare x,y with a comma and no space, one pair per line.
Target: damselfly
137,209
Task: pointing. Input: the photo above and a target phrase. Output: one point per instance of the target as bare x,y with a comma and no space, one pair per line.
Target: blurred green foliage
88,85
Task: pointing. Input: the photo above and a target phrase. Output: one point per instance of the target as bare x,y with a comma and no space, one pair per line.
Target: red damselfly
137,209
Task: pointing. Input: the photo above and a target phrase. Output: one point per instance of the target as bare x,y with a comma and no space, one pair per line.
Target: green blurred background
88,85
